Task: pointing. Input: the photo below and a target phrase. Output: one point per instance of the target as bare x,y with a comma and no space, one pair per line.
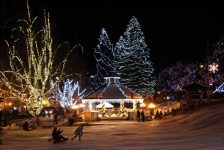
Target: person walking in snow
78,132
55,119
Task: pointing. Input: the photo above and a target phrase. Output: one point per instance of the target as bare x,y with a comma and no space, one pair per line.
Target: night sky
178,32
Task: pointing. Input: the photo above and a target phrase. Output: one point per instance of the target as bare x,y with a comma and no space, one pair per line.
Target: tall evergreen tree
103,56
133,60
119,54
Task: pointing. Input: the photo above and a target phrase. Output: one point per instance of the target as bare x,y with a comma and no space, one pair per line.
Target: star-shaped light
213,67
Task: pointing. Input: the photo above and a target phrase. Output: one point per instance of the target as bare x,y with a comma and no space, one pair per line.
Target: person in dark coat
78,132
25,126
56,135
138,116
55,119
60,137
143,115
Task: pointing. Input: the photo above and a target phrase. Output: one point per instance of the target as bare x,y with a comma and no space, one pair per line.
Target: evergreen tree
119,54
103,56
133,61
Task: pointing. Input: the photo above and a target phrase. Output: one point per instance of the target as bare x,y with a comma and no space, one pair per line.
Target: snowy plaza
137,77
199,130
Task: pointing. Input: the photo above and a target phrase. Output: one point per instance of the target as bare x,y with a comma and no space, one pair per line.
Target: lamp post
202,67
142,105
74,108
151,107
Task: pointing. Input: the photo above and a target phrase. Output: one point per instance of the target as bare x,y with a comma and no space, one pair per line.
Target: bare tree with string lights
218,55
65,95
33,62
215,64
175,77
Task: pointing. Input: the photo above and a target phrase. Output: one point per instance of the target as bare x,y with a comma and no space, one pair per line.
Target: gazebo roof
114,90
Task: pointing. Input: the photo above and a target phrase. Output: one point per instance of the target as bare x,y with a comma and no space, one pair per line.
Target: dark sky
174,32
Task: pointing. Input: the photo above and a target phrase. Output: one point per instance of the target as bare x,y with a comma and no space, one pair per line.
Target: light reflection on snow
202,130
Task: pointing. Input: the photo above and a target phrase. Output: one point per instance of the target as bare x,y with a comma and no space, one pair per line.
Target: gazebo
113,93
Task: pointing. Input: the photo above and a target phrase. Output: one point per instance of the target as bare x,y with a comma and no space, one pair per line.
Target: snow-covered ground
200,130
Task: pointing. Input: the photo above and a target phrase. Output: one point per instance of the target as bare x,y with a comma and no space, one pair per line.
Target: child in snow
78,132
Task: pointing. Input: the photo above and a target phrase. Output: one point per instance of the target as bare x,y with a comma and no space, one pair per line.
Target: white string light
33,72
132,60
103,55
65,95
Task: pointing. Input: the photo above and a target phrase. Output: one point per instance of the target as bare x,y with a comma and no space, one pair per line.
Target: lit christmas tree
119,54
103,55
133,60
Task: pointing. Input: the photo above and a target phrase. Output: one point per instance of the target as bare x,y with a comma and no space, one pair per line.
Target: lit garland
108,79
112,100
110,82
118,85
32,73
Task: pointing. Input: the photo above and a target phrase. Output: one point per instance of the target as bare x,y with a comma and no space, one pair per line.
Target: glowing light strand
175,77
133,61
219,89
103,55
32,73
65,95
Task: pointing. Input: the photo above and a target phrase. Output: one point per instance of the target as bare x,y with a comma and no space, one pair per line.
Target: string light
132,60
112,82
103,55
213,67
173,78
65,95
33,72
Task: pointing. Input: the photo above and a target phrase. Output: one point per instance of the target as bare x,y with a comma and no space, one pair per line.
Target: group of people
58,137
140,115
